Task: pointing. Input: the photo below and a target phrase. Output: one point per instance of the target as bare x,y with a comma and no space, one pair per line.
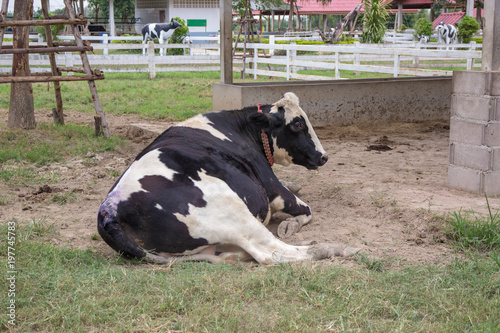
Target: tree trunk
21,108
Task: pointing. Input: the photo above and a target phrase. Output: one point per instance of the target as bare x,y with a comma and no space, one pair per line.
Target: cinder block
495,164
464,179
492,134
470,156
471,82
472,107
464,131
492,183
495,84
496,109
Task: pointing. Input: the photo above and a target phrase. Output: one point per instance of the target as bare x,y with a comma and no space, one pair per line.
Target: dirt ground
384,202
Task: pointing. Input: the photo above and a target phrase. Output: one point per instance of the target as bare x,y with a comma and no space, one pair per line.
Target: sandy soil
384,202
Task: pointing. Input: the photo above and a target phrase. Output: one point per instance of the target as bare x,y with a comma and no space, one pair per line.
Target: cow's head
175,24
441,26
294,139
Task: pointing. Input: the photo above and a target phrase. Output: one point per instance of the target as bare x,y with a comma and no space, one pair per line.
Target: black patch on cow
150,218
296,140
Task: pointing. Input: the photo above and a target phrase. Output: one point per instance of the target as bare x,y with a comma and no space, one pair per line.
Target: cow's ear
266,120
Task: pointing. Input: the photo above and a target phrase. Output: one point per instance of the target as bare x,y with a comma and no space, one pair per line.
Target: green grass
60,289
171,96
470,230
22,153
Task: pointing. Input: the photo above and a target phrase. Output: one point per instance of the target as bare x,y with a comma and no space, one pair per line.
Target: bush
423,27
178,36
467,27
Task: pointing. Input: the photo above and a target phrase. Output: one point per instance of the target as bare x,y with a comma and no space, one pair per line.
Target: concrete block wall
475,132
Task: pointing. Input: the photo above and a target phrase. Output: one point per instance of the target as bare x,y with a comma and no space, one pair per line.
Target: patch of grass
470,230
62,288
49,143
170,96
64,198
372,264
15,174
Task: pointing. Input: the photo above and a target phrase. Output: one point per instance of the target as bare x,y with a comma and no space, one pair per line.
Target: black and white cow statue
205,190
447,33
159,31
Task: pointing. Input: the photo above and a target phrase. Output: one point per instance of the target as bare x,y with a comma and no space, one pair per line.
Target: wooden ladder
55,75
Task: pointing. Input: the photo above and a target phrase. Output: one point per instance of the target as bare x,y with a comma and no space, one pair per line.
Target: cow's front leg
288,203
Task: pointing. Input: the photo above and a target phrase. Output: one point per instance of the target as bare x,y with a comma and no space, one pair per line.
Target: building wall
185,9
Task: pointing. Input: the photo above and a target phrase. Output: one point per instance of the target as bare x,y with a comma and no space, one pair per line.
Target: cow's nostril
324,159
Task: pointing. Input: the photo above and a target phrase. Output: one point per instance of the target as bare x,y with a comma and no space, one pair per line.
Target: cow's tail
112,232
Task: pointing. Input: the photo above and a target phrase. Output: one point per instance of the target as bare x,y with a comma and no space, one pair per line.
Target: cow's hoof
327,250
288,228
292,187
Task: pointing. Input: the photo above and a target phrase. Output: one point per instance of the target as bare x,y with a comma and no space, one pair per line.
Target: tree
374,20
467,28
21,108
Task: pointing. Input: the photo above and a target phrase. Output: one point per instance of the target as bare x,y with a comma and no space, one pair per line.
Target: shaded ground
385,202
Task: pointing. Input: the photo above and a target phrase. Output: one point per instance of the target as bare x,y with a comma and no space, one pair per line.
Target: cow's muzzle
319,162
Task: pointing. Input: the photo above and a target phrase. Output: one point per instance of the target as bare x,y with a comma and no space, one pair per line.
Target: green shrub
423,27
178,36
467,27
126,41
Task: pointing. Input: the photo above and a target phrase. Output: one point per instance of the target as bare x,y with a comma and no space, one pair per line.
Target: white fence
282,60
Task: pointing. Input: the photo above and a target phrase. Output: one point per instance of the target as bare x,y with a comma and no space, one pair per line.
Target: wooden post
97,125
21,108
88,71
151,60
53,65
226,42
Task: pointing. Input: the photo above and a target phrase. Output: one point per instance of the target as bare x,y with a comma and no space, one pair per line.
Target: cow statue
424,39
205,190
159,31
447,33
187,41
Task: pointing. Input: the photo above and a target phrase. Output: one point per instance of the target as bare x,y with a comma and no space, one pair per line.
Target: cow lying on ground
159,31
206,186
447,33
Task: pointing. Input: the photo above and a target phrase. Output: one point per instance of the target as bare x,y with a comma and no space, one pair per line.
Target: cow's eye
297,125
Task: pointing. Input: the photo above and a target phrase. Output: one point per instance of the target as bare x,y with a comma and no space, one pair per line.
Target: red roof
448,18
334,7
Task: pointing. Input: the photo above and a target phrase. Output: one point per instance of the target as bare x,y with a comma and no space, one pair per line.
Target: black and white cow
205,189
159,31
447,33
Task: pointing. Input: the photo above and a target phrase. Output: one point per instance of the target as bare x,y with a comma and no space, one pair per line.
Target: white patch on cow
147,165
278,204
226,219
158,206
290,102
202,122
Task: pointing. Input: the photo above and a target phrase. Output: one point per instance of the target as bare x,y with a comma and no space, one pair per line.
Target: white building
201,16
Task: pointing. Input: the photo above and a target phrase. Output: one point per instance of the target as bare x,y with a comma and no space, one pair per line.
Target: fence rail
282,60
